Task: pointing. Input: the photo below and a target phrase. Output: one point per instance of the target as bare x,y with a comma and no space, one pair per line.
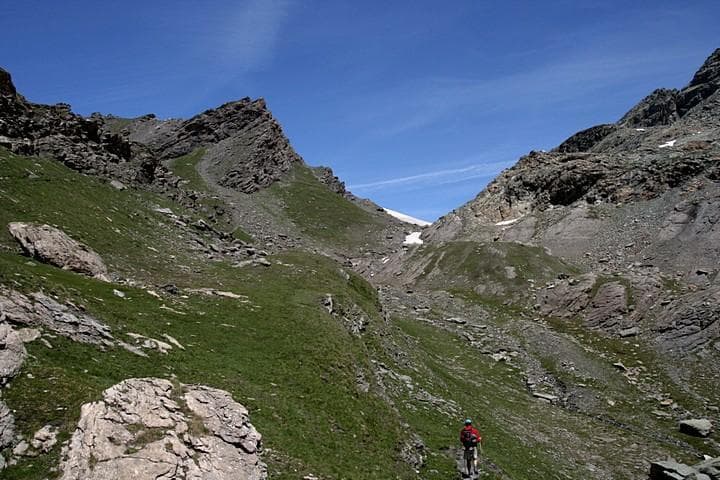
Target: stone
629,332
7,426
149,428
50,245
546,396
710,467
21,449
118,185
12,353
696,427
28,335
83,144
44,439
669,470
150,343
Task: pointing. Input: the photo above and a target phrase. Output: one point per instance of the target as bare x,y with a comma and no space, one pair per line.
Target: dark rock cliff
80,143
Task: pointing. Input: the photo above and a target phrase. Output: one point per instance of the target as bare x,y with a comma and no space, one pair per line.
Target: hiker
470,438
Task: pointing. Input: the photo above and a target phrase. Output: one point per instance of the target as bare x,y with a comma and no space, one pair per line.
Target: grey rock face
12,353
705,83
39,310
7,426
50,245
670,470
149,428
327,176
615,163
690,324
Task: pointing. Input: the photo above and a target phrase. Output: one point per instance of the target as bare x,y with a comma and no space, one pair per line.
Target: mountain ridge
572,315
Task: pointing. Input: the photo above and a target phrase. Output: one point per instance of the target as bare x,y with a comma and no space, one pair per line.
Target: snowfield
407,218
413,239
508,222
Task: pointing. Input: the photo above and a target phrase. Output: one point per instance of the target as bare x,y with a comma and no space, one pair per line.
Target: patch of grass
186,168
604,279
325,215
121,226
240,234
489,272
634,408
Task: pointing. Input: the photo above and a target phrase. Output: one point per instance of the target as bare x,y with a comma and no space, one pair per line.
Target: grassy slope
323,215
479,270
280,354
317,212
293,365
282,337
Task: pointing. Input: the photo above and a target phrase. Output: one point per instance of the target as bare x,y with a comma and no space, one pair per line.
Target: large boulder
672,470
149,428
698,427
50,245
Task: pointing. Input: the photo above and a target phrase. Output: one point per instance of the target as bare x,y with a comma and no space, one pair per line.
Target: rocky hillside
202,304
631,191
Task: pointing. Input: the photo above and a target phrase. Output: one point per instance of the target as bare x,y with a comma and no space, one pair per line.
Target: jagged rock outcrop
150,428
40,311
80,143
652,149
328,177
51,245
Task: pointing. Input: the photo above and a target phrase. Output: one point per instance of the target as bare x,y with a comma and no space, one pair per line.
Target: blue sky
414,104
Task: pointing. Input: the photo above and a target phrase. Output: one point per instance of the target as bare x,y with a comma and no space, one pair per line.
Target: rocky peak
658,108
6,84
245,147
709,72
705,82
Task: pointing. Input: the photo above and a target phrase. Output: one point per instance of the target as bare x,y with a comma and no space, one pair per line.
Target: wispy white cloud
433,178
244,40
423,102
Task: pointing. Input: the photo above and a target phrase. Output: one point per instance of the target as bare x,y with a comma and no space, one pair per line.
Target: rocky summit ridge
165,282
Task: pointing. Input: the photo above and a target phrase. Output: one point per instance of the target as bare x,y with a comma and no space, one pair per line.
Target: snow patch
639,129
407,218
413,239
670,143
508,222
